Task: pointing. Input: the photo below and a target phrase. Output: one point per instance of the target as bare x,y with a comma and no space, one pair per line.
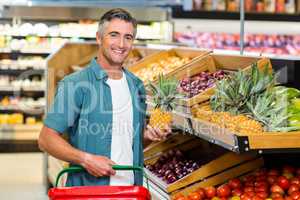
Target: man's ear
98,38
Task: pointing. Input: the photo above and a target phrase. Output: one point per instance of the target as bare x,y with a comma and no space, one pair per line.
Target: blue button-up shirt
82,108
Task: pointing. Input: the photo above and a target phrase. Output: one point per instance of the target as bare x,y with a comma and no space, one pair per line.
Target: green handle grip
80,169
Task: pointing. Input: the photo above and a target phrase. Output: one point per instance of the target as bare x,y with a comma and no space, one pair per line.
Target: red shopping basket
98,192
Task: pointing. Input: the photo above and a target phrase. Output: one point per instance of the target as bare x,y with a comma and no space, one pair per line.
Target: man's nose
121,42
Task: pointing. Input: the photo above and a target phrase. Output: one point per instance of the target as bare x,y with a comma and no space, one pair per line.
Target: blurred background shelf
179,12
17,72
27,93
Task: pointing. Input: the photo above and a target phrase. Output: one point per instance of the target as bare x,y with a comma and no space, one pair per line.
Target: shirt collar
100,73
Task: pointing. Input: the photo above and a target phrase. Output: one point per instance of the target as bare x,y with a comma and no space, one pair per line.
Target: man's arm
52,142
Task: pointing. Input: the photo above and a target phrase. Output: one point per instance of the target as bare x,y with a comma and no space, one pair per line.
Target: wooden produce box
212,63
218,179
217,165
273,140
255,141
134,56
151,66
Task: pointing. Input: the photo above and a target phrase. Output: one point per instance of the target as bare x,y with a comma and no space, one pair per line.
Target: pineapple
255,95
164,94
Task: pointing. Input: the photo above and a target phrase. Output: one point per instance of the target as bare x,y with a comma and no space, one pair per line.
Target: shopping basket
98,192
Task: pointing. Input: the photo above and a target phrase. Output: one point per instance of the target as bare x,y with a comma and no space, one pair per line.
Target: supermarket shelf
260,143
16,146
50,36
31,93
30,129
28,111
178,12
19,138
17,72
26,51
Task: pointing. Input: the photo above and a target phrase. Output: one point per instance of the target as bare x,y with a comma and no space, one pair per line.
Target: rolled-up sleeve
65,108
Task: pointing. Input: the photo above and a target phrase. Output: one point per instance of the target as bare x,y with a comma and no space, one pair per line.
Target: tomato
249,189
261,183
223,191
194,196
210,192
278,198
201,192
245,197
250,193
293,188
295,195
249,178
261,188
235,183
271,179
237,192
249,184
295,180
277,189
257,198
283,182
179,197
263,195
275,195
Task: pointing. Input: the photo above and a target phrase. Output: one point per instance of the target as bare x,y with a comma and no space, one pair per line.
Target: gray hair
117,13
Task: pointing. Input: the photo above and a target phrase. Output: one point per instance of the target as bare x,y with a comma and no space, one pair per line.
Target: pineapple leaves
253,93
164,93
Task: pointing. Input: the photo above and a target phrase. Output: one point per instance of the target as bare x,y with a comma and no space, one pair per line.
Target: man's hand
98,165
156,134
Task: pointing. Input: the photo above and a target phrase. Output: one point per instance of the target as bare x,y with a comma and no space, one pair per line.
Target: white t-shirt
122,130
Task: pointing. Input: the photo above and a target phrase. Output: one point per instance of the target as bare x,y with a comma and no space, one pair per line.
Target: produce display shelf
16,72
261,142
178,12
236,142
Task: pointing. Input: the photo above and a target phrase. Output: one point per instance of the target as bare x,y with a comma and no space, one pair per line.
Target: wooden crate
273,140
215,161
222,177
192,54
134,56
212,63
256,141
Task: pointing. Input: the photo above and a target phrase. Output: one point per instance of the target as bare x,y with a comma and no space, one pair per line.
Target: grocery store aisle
21,176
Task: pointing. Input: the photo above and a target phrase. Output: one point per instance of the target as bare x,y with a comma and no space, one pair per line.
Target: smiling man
102,110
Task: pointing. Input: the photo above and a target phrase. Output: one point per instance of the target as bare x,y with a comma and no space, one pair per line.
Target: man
102,110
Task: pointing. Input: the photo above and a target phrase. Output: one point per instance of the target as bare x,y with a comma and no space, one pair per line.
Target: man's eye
113,34
129,38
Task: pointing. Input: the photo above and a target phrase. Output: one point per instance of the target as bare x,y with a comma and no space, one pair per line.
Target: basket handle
78,168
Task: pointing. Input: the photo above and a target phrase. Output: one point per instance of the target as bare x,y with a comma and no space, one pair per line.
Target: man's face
116,41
